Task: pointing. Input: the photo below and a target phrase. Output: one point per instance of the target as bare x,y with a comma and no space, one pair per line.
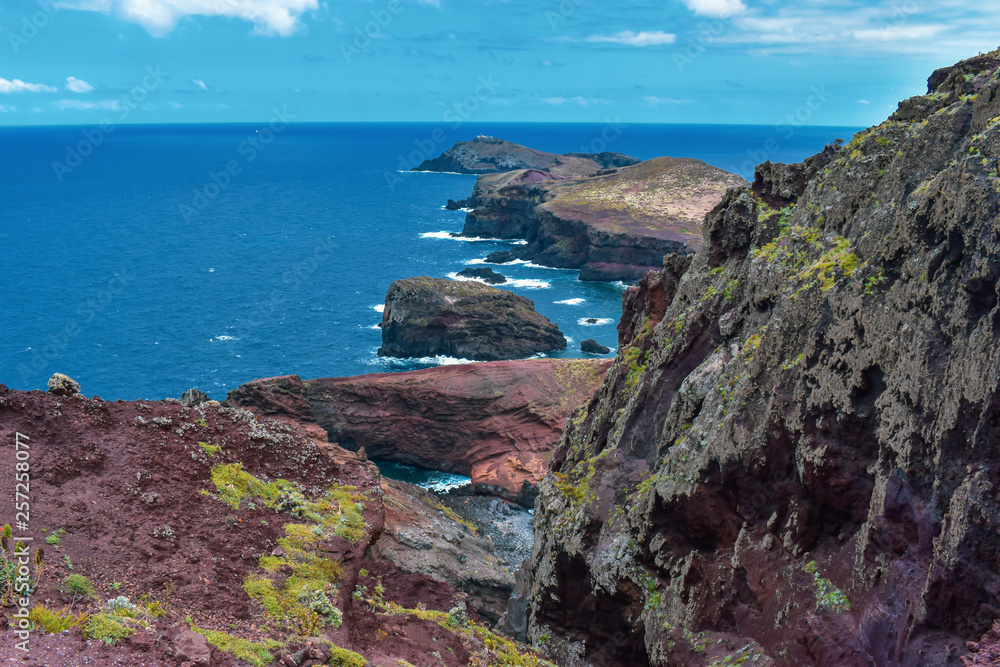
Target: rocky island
487,155
612,217
425,317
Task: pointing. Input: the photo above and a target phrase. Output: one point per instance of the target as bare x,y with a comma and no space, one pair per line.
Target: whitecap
222,337
524,283
379,308
571,302
211,270
439,360
598,321
472,239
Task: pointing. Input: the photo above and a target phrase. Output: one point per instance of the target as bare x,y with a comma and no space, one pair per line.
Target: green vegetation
56,621
874,281
793,251
211,450
54,538
109,628
257,654
451,514
79,585
827,595
635,367
341,657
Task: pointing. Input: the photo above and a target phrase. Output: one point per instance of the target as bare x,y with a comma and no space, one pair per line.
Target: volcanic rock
501,257
63,385
593,347
485,274
795,459
487,155
193,397
426,317
496,422
615,225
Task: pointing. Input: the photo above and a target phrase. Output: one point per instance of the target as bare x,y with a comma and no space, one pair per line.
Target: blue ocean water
152,259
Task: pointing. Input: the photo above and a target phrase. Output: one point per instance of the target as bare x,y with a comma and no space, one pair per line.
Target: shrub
56,621
79,585
107,628
256,654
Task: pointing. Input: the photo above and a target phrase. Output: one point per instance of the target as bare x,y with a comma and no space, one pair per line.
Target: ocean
146,260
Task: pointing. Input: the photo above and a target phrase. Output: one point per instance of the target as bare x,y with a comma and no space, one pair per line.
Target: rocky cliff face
498,422
426,317
487,155
616,225
794,460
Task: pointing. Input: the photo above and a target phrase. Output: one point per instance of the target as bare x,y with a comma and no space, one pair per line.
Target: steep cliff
615,225
496,422
794,459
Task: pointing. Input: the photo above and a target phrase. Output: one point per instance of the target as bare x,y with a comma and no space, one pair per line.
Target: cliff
615,225
497,422
469,320
794,459
486,155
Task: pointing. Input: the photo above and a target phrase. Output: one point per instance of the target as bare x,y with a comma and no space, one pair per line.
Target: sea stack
426,317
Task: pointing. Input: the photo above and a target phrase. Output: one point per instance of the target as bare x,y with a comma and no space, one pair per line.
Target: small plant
56,621
68,562
116,585
121,606
211,450
79,586
256,654
5,536
874,281
107,628
202,423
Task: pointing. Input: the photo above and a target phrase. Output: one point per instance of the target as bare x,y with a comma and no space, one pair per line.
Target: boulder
426,317
191,647
501,257
591,346
194,397
63,385
485,274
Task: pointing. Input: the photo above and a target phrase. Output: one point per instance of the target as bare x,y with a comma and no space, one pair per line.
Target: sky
817,62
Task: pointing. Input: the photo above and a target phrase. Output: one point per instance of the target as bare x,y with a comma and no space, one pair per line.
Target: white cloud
579,100
175,105
7,109
80,105
78,85
18,86
199,83
719,9
863,102
280,17
644,38
898,33
554,101
657,101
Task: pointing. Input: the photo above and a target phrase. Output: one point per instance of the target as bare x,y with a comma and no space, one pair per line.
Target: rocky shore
496,422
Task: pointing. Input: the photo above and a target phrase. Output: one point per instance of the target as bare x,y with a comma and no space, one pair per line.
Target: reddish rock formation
126,495
495,422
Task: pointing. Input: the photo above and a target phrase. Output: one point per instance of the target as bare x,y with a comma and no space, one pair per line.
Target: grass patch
108,628
79,585
211,450
257,654
56,621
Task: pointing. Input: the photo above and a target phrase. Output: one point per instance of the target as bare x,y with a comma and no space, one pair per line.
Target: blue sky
704,61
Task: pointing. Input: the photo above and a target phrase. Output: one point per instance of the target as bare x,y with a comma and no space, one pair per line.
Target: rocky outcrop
424,536
63,385
612,226
497,422
230,533
591,346
794,459
485,274
487,155
426,317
